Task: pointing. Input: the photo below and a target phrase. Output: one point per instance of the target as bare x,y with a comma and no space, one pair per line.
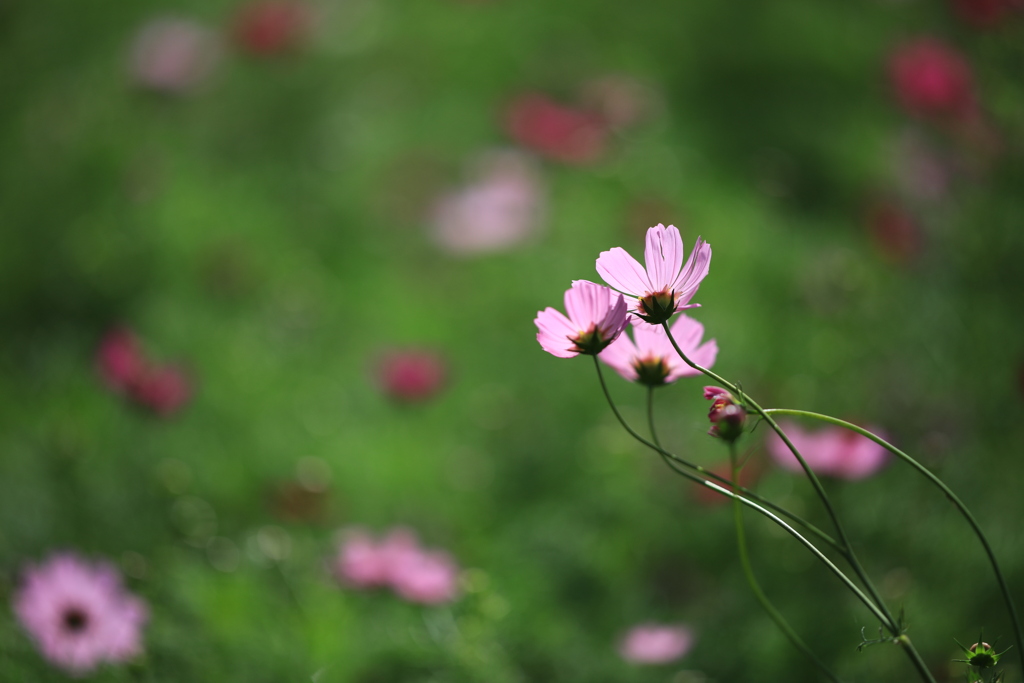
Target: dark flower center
75,620
591,342
658,307
651,371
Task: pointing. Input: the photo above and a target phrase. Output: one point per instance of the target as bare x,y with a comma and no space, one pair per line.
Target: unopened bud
727,416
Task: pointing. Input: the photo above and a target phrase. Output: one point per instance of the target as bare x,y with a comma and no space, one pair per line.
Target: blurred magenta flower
562,133
78,613
411,375
749,475
649,357
272,27
894,231
124,368
163,389
173,55
932,79
666,285
597,315
656,643
832,451
398,561
119,359
984,13
502,207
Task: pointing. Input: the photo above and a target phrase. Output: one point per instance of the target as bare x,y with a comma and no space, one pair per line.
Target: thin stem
953,498
650,416
669,457
890,622
755,587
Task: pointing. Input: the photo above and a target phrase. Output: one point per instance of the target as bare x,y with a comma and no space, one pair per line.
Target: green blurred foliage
268,229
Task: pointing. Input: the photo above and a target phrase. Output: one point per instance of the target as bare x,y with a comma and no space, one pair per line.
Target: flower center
75,620
590,342
651,371
658,307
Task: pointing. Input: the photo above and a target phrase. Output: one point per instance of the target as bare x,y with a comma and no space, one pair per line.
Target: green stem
889,621
953,498
749,503
671,458
755,587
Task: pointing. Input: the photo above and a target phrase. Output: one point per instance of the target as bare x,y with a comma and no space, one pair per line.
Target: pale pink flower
832,451
649,357
78,613
502,207
428,577
412,375
656,643
556,131
932,79
399,562
666,285
173,55
597,315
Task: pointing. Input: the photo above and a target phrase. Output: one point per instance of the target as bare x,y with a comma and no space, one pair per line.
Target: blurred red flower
271,28
561,133
931,79
411,375
984,13
124,368
894,231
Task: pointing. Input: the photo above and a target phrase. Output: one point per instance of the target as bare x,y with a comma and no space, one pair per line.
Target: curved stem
669,458
755,587
953,498
890,622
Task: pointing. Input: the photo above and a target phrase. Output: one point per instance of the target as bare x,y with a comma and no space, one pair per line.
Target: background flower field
327,228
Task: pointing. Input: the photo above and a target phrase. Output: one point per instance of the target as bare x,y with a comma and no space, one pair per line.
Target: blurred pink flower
656,643
921,171
562,133
162,389
501,208
119,359
597,315
894,231
666,285
173,55
78,613
618,100
652,360
832,451
931,79
411,375
399,562
272,27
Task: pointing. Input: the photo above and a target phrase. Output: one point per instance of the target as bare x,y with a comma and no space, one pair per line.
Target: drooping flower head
597,315
649,358
78,613
666,285
656,643
727,416
831,452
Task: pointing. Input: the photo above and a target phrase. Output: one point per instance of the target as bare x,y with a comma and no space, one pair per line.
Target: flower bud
727,416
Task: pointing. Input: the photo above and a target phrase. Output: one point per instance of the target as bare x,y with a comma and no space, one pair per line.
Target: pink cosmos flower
649,357
597,315
832,452
565,134
501,208
666,285
272,27
173,55
411,375
656,643
932,79
78,613
399,562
